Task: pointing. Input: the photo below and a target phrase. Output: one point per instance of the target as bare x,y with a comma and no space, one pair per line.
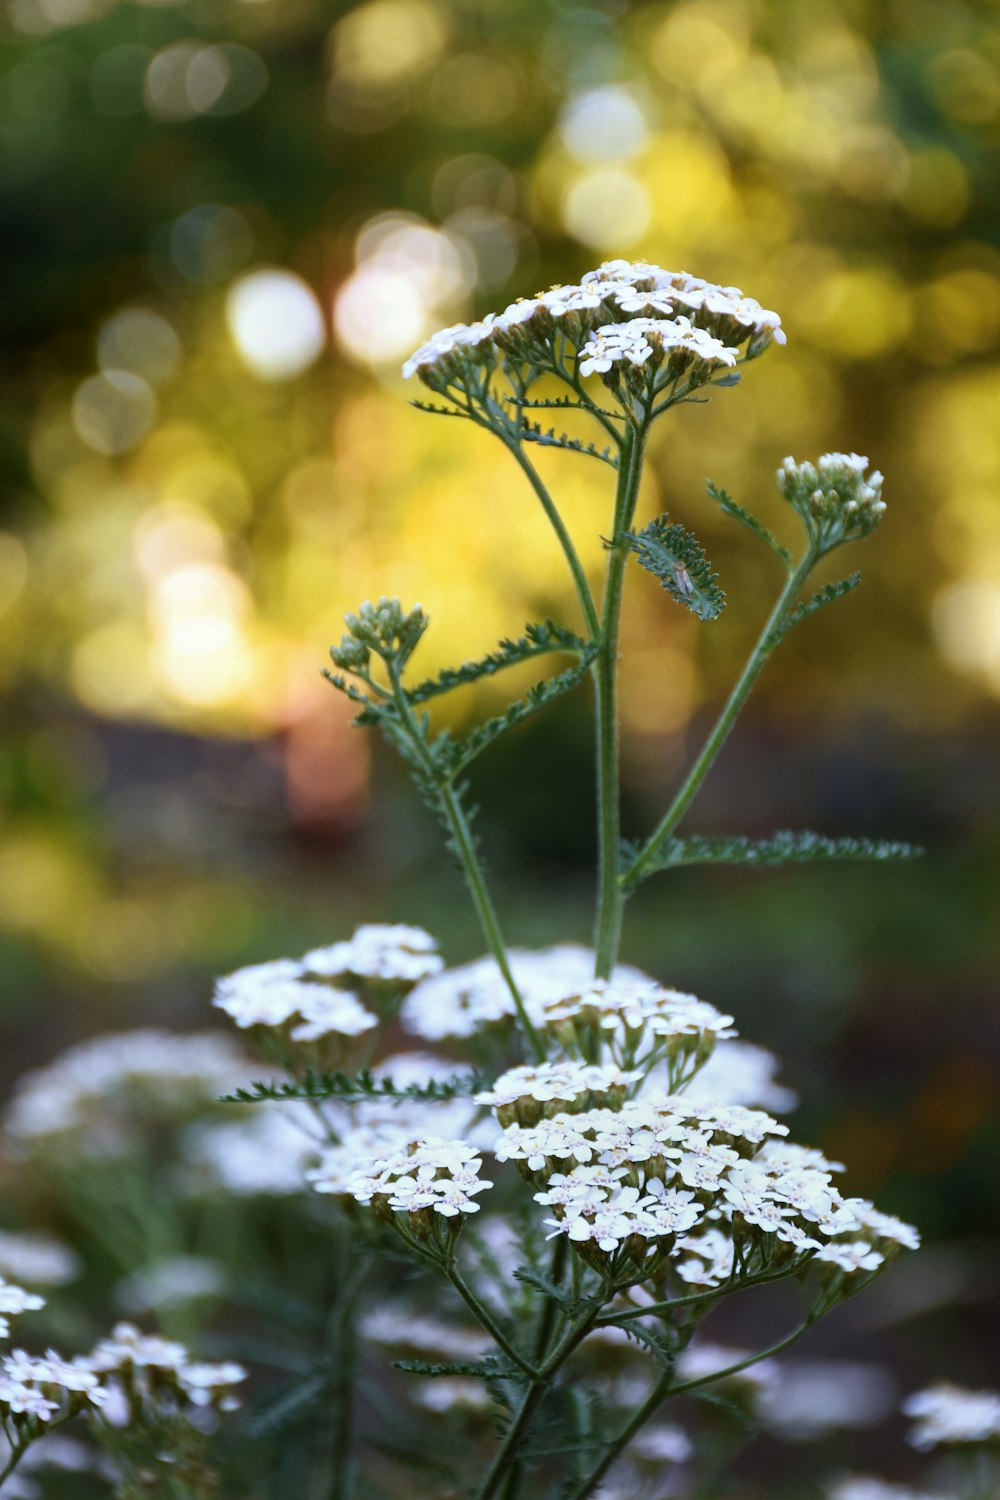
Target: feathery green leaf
456,754
782,848
359,1086
749,520
678,560
532,432
538,640
828,594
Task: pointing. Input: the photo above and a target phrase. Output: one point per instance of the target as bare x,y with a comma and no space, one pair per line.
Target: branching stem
765,644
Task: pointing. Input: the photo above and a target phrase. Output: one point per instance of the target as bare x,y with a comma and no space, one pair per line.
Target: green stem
660,1309
483,1315
341,1338
664,1388
465,848
507,1454
583,593
15,1458
766,642
607,930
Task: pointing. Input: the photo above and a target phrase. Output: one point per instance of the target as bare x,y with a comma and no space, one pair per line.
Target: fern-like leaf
358,1086
282,1410
489,1368
457,754
538,640
562,403
440,411
532,432
828,594
782,848
678,560
749,520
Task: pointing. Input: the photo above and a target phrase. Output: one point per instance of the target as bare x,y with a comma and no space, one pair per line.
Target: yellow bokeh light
198,613
388,41
607,208
859,313
276,323
110,670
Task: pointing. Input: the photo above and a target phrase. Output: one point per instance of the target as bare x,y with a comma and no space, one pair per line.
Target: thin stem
507,1455
765,644
341,1334
549,1309
660,1309
483,1315
576,568
664,1388
607,929
15,1458
465,848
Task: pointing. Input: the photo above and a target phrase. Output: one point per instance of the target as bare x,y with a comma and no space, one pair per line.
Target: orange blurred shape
326,760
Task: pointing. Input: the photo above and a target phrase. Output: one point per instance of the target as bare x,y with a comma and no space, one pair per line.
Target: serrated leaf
782,848
532,432
286,1408
662,1345
828,594
749,520
457,754
725,1404
548,1288
487,1369
356,1086
439,411
562,403
678,560
538,640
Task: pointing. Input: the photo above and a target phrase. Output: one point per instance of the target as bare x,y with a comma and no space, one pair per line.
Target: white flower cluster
835,496
528,1093
421,1179
949,1414
636,342
87,1096
141,1368
623,312
635,1015
275,995
305,997
381,953
42,1388
651,1171
463,1000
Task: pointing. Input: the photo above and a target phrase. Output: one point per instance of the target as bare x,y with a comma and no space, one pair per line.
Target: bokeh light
276,323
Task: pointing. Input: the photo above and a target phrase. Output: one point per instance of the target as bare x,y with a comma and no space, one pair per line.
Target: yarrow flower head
385,628
635,324
379,953
276,1002
149,1372
422,1188
43,1389
14,1300
644,1021
836,497
528,1094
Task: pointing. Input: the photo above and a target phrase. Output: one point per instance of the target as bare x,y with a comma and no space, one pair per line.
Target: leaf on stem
538,640
358,1086
289,1406
454,755
782,848
678,560
488,1368
828,594
532,432
749,520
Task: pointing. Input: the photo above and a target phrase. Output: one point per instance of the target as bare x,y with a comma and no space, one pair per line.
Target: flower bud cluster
836,498
528,1094
386,628
624,321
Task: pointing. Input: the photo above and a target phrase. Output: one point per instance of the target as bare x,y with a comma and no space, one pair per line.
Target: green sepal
678,560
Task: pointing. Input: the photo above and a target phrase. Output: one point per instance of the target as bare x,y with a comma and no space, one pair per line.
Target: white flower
707,1258
379,952
13,1301
331,1013
851,1256
264,1153
950,1414
425,1174
546,1082
211,1384
882,1226
130,1348
449,340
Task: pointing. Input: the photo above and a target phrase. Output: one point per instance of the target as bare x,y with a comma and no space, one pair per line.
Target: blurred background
224,225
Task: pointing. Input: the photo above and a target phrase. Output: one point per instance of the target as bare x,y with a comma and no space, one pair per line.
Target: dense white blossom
552,1085
88,1096
45,1386
263,1153
275,995
378,952
460,1001
947,1413
633,1016
435,1175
